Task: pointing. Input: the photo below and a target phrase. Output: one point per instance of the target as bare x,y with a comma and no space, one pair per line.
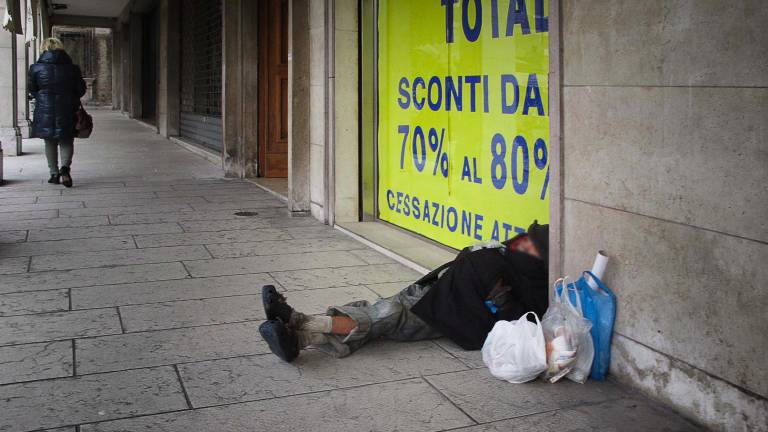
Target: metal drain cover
246,213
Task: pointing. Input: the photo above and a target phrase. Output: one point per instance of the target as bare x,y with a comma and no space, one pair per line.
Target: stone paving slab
107,191
15,236
254,248
15,193
39,207
487,399
212,186
371,256
210,238
90,184
316,302
170,290
163,347
4,201
262,377
320,231
125,210
35,362
134,202
13,265
69,401
24,215
294,222
189,313
387,289
636,415
250,223
249,194
90,198
269,263
473,359
93,276
19,329
234,192
102,231
356,275
410,405
238,205
34,302
67,246
117,257
211,215
52,223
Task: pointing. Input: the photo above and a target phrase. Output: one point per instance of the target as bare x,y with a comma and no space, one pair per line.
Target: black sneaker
66,178
275,305
54,179
282,341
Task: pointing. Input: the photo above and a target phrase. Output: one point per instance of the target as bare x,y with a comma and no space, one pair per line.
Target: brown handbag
83,123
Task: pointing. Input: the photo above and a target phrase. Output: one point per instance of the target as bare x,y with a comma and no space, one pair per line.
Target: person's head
539,236
525,244
51,43
535,242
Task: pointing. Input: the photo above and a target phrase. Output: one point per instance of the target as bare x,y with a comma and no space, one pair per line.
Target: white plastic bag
569,347
514,350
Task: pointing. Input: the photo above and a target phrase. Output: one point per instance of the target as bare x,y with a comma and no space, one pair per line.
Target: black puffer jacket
454,305
57,86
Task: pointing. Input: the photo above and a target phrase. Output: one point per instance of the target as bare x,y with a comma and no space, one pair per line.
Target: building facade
637,128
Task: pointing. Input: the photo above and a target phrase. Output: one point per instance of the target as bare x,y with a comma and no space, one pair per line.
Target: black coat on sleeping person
455,304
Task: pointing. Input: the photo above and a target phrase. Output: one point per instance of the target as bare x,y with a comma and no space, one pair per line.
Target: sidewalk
131,302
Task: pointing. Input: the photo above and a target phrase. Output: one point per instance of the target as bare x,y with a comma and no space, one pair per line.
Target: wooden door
273,88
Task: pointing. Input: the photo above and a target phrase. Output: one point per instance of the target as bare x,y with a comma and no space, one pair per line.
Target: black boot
66,178
275,306
282,340
54,179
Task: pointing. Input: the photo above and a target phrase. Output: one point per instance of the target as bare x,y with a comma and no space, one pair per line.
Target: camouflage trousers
389,318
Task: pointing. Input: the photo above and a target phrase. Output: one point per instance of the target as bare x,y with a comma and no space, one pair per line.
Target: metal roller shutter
201,51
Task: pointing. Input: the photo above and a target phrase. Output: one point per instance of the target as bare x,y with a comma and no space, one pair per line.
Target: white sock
307,338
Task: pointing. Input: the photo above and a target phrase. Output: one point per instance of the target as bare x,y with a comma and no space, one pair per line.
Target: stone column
135,66
168,95
22,107
298,108
125,65
10,136
116,58
239,92
344,94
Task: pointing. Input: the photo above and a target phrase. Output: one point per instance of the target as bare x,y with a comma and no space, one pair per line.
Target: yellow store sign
463,117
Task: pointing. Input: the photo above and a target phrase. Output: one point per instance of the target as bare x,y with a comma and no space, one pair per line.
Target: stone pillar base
11,140
25,128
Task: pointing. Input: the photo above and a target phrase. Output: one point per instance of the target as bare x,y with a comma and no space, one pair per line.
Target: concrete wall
665,167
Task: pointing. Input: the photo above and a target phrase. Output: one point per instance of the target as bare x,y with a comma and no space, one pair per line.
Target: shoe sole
275,334
267,293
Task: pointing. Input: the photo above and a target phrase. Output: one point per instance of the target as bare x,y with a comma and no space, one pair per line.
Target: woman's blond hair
51,43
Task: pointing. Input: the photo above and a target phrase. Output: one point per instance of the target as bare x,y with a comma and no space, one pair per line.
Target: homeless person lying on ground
460,300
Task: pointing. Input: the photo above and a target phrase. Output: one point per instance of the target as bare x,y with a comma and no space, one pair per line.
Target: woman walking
57,86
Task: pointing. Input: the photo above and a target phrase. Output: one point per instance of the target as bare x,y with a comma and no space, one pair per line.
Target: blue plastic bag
599,306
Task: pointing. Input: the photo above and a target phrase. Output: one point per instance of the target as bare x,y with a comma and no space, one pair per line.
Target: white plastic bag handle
566,288
538,323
